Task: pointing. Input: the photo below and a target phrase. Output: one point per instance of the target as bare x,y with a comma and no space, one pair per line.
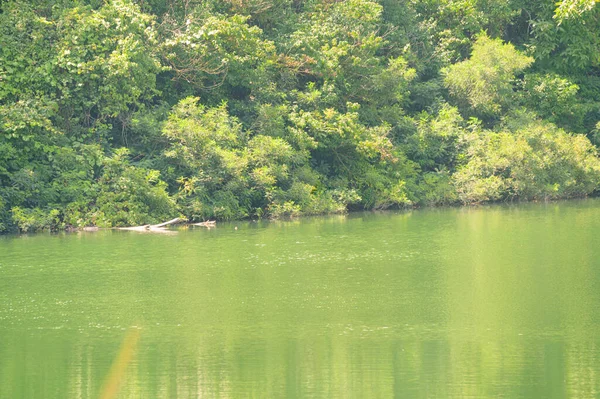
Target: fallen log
136,228
154,228
208,223
172,221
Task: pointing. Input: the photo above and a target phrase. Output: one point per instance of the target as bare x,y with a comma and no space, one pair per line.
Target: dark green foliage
555,98
123,112
95,65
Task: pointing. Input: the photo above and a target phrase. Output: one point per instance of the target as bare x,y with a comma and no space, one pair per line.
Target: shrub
536,161
36,219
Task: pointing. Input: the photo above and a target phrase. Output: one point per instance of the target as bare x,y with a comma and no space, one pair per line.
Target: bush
553,98
4,216
32,220
534,162
436,188
129,195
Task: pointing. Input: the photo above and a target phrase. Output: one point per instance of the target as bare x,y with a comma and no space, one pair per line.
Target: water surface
490,302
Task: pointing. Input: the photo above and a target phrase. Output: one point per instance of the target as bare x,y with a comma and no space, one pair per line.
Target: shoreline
216,223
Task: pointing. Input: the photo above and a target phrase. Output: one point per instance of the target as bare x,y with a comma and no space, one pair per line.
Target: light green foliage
201,136
269,160
32,220
532,161
573,8
343,137
483,84
437,142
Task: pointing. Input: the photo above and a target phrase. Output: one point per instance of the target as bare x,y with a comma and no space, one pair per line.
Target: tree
483,84
95,64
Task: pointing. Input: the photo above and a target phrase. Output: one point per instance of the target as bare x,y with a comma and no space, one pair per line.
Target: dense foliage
123,112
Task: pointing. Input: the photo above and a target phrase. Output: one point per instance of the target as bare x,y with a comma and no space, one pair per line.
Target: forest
123,112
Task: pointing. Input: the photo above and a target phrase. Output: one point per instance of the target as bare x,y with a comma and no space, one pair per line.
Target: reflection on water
467,303
117,373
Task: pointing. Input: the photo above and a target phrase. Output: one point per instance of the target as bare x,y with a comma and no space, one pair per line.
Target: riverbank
183,222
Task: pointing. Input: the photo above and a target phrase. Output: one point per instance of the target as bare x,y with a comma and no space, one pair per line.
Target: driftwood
160,228
87,229
172,221
154,228
208,223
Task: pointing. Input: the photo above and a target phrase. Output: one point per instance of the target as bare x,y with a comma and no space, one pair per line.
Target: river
488,302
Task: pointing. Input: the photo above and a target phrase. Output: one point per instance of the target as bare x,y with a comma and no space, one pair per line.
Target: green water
493,302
